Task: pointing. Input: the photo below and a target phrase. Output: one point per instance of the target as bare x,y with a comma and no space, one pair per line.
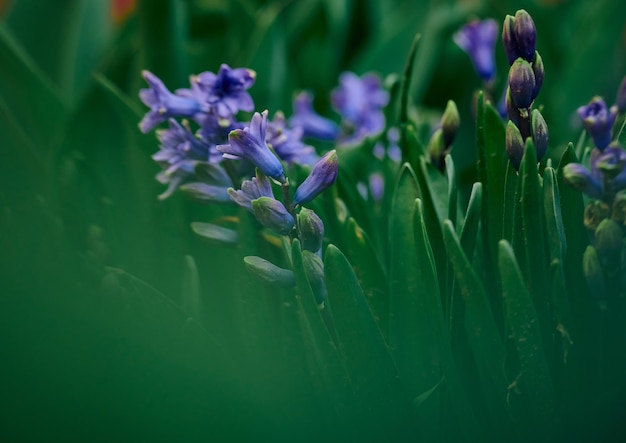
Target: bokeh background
94,345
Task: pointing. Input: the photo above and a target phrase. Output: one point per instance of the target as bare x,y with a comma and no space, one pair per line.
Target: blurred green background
93,344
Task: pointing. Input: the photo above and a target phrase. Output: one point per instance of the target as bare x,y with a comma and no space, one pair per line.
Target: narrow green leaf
452,189
554,220
215,233
163,26
369,271
534,379
471,223
481,329
533,228
367,356
35,103
325,367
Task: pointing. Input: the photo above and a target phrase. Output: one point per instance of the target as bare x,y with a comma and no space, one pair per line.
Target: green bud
314,269
539,72
608,243
522,83
595,212
514,145
269,272
540,133
619,208
272,214
437,149
311,230
593,272
450,122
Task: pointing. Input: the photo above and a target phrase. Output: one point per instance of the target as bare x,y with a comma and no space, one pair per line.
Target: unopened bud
608,243
450,122
595,212
593,272
322,176
619,208
522,83
508,39
314,269
539,72
269,272
580,178
272,214
311,230
525,35
540,133
514,145
437,149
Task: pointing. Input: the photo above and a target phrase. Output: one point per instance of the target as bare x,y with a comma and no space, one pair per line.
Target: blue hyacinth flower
322,176
598,120
249,143
163,103
478,40
312,124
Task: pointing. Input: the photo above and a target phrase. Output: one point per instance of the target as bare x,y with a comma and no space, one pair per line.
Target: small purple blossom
179,152
249,143
163,103
598,121
226,91
253,189
359,101
322,176
287,142
312,124
478,40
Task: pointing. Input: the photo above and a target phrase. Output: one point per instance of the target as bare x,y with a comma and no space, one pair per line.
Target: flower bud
580,178
272,214
450,122
539,72
608,243
540,133
595,212
437,149
314,269
514,145
508,39
619,208
311,230
511,111
593,272
525,35
522,83
611,162
598,121
322,176
206,193
269,272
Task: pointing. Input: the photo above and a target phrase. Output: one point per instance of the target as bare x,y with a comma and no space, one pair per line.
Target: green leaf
533,229
471,223
34,102
481,329
326,368
369,271
366,354
557,242
215,233
534,374
452,189
163,29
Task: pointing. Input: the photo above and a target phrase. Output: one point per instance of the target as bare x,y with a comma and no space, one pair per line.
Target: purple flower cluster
211,104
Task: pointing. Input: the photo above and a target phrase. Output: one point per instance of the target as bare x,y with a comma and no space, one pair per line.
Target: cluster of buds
605,183
440,142
525,79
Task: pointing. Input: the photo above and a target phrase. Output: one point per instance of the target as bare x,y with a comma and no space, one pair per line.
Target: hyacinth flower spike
322,176
249,143
478,40
163,103
598,121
